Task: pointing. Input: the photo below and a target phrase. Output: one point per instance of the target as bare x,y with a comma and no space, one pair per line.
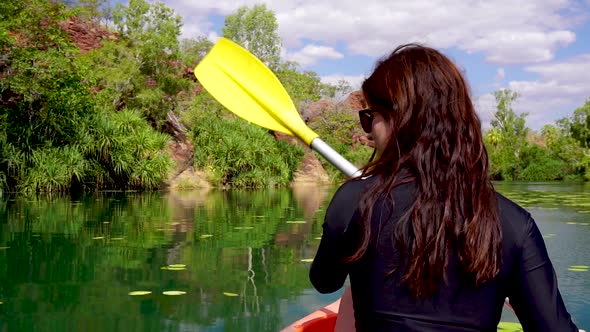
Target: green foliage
46,98
558,153
585,167
256,29
60,127
153,29
192,51
97,11
239,154
505,119
128,151
506,138
538,165
151,52
578,125
303,87
115,72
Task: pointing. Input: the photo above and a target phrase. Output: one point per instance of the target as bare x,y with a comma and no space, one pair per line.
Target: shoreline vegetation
94,98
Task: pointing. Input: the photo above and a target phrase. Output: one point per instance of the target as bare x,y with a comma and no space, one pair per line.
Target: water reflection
69,264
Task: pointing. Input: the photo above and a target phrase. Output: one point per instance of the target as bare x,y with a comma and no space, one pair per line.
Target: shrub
236,153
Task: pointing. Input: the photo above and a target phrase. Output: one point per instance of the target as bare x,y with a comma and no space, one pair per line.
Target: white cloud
310,54
355,81
485,106
561,87
500,74
505,31
520,46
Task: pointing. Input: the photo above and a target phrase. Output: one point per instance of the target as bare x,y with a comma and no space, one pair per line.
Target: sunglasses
366,118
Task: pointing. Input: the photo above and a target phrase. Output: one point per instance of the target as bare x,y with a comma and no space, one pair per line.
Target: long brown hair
436,142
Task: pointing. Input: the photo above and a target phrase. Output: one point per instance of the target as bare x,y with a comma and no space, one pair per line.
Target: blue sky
539,48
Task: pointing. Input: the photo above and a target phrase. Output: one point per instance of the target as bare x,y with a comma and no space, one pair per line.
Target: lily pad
174,293
573,269
4,248
571,223
204,236
307,260
296,222
98,238
140,293
173,268
244,227
117,238
580,267
177,266
230,294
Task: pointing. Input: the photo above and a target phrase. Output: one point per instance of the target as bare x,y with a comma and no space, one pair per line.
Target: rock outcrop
86,35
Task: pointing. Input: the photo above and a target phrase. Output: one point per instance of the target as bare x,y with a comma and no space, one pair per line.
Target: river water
211,261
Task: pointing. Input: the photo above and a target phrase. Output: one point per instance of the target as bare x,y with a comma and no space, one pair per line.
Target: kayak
326,319
323,320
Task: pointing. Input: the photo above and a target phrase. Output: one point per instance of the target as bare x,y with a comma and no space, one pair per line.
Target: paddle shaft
334,158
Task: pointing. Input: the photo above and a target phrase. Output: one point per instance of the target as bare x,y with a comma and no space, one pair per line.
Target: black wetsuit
381,303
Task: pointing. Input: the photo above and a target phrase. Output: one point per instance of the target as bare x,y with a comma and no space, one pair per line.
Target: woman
427,242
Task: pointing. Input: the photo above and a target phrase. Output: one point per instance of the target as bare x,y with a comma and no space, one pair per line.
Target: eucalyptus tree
150,34
193,50
97,11
256,29
152,29
507,135
580,125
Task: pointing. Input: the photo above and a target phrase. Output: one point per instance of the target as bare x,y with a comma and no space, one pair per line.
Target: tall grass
236,153
108,151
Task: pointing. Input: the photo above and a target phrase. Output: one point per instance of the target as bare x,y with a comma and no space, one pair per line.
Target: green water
241,257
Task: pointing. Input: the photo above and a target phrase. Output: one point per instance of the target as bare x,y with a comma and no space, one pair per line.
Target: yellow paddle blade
246,87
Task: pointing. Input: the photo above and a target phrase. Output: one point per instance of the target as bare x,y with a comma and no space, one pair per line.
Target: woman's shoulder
516,221
350,192
345,203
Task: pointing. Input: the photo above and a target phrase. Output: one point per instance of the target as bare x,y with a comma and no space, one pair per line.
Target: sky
538,48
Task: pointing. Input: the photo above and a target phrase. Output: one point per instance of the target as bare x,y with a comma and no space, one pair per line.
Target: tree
153,29
580,125
343,89
550,135
302,86
150,39
511,125
256,29
192,51
97,11
507,137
